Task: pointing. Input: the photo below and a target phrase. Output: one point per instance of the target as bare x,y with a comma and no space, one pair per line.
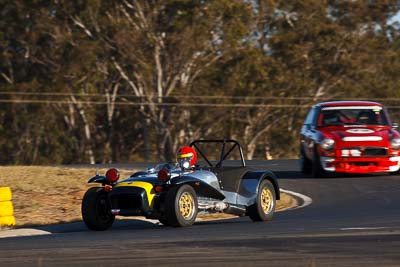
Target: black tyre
317,171
164,221
181,206
264,208
305,163
96,212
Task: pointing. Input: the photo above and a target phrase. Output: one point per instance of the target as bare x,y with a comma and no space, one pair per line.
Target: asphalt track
352,221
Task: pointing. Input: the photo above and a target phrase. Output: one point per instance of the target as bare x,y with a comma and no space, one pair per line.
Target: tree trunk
87,132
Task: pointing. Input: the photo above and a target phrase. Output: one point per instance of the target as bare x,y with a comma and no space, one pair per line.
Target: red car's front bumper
360,164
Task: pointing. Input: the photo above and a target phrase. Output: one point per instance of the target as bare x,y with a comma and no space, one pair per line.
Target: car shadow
122,225
79,226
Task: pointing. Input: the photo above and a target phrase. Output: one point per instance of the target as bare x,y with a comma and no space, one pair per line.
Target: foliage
115,81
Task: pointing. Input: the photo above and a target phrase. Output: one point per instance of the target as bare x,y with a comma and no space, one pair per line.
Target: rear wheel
181,206
264,208
96,212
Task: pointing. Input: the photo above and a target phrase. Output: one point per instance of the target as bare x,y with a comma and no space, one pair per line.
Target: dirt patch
50,195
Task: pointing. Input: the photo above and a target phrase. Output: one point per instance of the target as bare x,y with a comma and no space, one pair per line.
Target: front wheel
163,221
305,163
95,210
264,208
317,171
181,206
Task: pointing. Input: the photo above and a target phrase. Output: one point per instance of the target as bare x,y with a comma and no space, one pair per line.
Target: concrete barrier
6,207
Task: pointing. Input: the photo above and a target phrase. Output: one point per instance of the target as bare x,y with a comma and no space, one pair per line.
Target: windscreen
352,115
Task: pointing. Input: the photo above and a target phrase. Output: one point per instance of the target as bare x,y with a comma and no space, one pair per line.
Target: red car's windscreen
352,115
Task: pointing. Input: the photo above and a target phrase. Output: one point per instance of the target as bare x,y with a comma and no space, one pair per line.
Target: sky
395,18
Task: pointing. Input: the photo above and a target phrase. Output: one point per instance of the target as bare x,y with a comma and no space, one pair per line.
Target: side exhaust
219,206
235,210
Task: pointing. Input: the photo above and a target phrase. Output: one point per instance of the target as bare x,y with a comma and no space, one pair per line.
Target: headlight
164,175
327,143
395,143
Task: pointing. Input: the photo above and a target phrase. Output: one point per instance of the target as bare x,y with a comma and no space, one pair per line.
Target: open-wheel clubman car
175,192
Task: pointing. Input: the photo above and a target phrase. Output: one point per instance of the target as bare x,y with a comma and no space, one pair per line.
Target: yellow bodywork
148,187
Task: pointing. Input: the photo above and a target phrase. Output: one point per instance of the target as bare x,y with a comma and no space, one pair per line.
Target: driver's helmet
187,153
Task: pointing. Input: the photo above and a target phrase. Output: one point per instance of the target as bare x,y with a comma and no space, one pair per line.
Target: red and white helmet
187,153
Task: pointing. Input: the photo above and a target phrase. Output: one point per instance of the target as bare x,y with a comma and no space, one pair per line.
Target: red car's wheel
305,163
395,173
317,171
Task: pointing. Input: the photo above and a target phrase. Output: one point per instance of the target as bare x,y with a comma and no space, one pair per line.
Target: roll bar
223,155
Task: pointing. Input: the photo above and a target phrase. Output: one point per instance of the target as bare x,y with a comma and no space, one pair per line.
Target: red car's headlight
395,143
327,143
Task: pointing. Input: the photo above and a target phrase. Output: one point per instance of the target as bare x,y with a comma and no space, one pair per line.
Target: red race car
349,137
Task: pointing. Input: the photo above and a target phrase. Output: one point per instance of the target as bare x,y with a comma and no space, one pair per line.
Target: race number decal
360,131
351,153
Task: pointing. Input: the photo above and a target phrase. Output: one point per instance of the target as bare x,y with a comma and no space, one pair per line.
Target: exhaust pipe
235,210
220,206
215,206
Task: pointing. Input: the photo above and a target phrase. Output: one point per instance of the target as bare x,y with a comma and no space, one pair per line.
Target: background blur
126,81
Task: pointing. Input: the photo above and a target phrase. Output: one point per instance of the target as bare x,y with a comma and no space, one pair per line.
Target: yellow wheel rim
267,200
186,205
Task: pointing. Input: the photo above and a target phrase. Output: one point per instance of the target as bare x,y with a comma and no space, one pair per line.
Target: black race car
175,192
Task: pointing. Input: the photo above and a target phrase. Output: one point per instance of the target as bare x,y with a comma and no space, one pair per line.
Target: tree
105,81
161,47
